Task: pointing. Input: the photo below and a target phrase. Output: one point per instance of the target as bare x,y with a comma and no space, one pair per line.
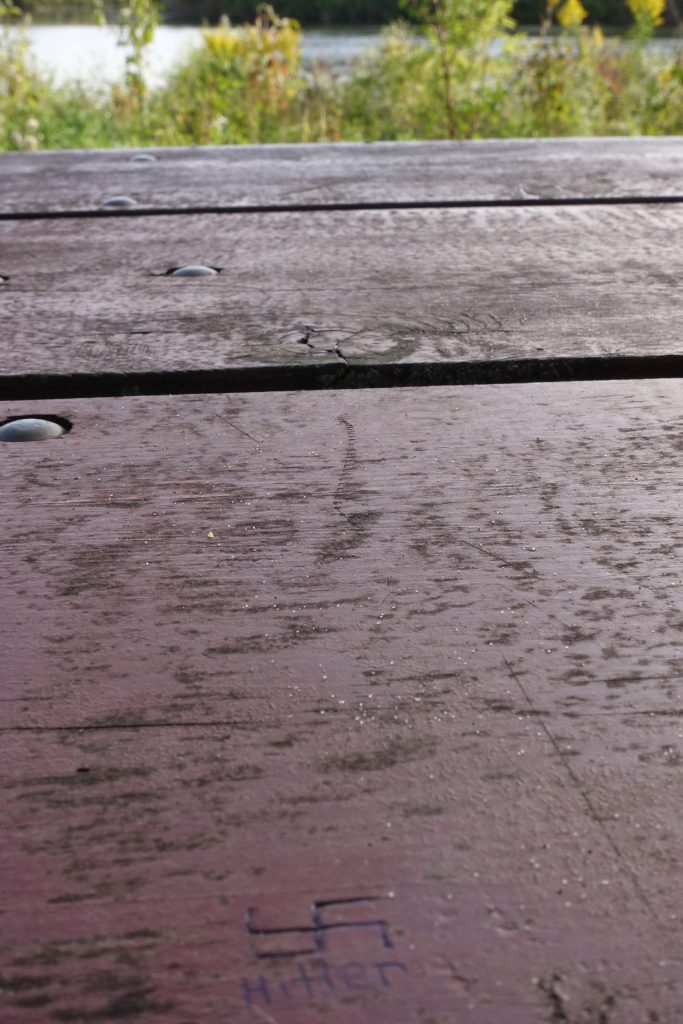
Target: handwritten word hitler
323,980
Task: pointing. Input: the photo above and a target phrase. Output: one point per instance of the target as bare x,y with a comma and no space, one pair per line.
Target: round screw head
3,279
31,428
143,158
193,270
118,203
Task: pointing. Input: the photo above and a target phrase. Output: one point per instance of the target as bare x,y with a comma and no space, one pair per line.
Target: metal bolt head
143,158
3,279
193,270
118,203
31,428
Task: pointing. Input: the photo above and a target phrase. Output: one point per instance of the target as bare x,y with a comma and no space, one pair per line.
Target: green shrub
244,84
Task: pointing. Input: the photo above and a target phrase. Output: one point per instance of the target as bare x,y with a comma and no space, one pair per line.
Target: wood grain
414,651
363,287
344,173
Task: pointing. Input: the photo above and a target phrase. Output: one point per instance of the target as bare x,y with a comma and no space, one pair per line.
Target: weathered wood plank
312,175
295,289
274,651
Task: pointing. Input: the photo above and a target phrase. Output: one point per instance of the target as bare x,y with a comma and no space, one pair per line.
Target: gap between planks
418,204
344,376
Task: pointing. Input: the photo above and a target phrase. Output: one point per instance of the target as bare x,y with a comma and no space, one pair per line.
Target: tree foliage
310,12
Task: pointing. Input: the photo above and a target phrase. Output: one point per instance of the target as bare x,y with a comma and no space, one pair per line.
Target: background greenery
525,12
309,12
456,72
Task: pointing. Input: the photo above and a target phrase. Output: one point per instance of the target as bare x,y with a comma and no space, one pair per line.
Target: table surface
327,699
490,171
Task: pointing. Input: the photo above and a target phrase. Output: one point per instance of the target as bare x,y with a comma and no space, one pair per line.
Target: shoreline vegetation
468,74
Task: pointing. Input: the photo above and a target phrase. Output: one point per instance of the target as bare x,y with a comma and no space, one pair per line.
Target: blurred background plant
139,19
647,15
562,88
450,69
457,63
21,90
245,84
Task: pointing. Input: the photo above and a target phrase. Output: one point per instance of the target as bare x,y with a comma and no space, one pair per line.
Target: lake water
91,53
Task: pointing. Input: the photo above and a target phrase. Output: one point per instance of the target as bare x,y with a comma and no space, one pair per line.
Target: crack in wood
600,821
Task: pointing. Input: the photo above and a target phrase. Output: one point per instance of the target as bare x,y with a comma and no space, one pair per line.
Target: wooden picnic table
341,628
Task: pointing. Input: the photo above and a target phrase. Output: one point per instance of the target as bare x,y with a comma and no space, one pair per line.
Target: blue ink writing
322,980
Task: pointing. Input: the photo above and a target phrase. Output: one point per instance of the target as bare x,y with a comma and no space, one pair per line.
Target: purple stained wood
502,169
365,287
344,707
